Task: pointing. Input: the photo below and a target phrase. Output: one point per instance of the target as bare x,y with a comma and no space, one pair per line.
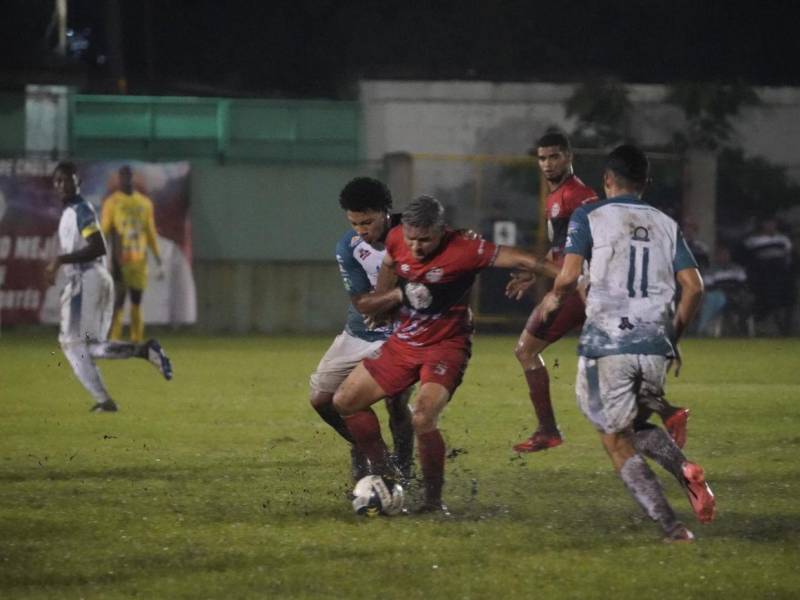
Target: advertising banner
29,213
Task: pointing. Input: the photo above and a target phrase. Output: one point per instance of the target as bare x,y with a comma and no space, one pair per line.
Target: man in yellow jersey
127,221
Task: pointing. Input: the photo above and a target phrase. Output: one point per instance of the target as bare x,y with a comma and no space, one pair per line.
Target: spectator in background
769,265
726,295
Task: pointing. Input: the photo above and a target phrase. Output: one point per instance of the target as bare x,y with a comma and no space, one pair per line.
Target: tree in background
603,111
605,118
709,109
752,186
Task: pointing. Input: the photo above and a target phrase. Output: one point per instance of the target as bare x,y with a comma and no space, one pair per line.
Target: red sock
366,431
539,390
431,458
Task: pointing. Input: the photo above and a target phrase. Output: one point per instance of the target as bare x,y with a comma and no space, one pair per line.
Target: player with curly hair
367,203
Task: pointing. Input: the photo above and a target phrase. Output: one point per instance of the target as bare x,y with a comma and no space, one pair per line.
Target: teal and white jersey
78,222
359,264
634,251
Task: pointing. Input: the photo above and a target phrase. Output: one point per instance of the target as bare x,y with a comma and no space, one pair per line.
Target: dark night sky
319,48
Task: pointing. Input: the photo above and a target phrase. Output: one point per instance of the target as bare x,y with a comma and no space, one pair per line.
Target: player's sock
328,414
366,431
116,350
645,488
539,391
116,326
402,434
137,324
653,442
85,370
659,405
431,450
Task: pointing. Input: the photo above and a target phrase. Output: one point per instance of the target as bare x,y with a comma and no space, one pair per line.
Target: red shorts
398,366
570,315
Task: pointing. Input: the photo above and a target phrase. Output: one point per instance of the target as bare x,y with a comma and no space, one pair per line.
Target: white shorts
87,304
609,388
341,358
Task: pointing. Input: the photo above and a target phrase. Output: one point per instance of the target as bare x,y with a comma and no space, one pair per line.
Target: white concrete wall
456,117
46,120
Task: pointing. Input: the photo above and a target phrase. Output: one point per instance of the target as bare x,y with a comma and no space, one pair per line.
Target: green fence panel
158,128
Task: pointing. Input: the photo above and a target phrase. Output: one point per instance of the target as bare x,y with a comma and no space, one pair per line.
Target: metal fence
502,198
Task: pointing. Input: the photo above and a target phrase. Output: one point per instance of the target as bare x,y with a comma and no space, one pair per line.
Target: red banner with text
29,214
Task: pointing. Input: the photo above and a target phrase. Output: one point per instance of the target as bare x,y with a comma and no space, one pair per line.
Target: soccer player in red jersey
567,193
436,268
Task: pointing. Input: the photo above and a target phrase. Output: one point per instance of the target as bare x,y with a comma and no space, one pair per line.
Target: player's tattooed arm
387,278
96,247
511,257
386,297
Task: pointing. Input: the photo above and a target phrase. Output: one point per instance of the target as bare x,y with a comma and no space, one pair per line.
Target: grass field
224,484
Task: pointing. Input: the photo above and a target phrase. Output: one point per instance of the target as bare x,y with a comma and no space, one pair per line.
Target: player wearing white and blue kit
635,255
367,203
87,301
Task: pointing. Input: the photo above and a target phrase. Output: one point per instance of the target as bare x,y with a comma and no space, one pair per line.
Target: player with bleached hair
432,341
367,203
87,301
636,255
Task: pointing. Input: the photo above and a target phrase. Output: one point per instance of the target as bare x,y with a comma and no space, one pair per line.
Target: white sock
114,350
85,370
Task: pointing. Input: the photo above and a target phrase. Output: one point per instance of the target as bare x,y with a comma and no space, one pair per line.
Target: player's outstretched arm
511,257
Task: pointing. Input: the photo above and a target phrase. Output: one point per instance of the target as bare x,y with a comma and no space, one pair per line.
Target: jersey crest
419,296
363,254
641,234
434,275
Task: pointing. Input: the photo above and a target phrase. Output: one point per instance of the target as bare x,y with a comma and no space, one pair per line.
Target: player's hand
469,234
376,321
548,305
519,284
50,272
675,361
160,275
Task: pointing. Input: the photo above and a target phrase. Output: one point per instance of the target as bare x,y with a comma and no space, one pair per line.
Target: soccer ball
372,496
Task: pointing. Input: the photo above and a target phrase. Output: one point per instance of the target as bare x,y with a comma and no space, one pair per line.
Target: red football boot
700,495
540,440
676,426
